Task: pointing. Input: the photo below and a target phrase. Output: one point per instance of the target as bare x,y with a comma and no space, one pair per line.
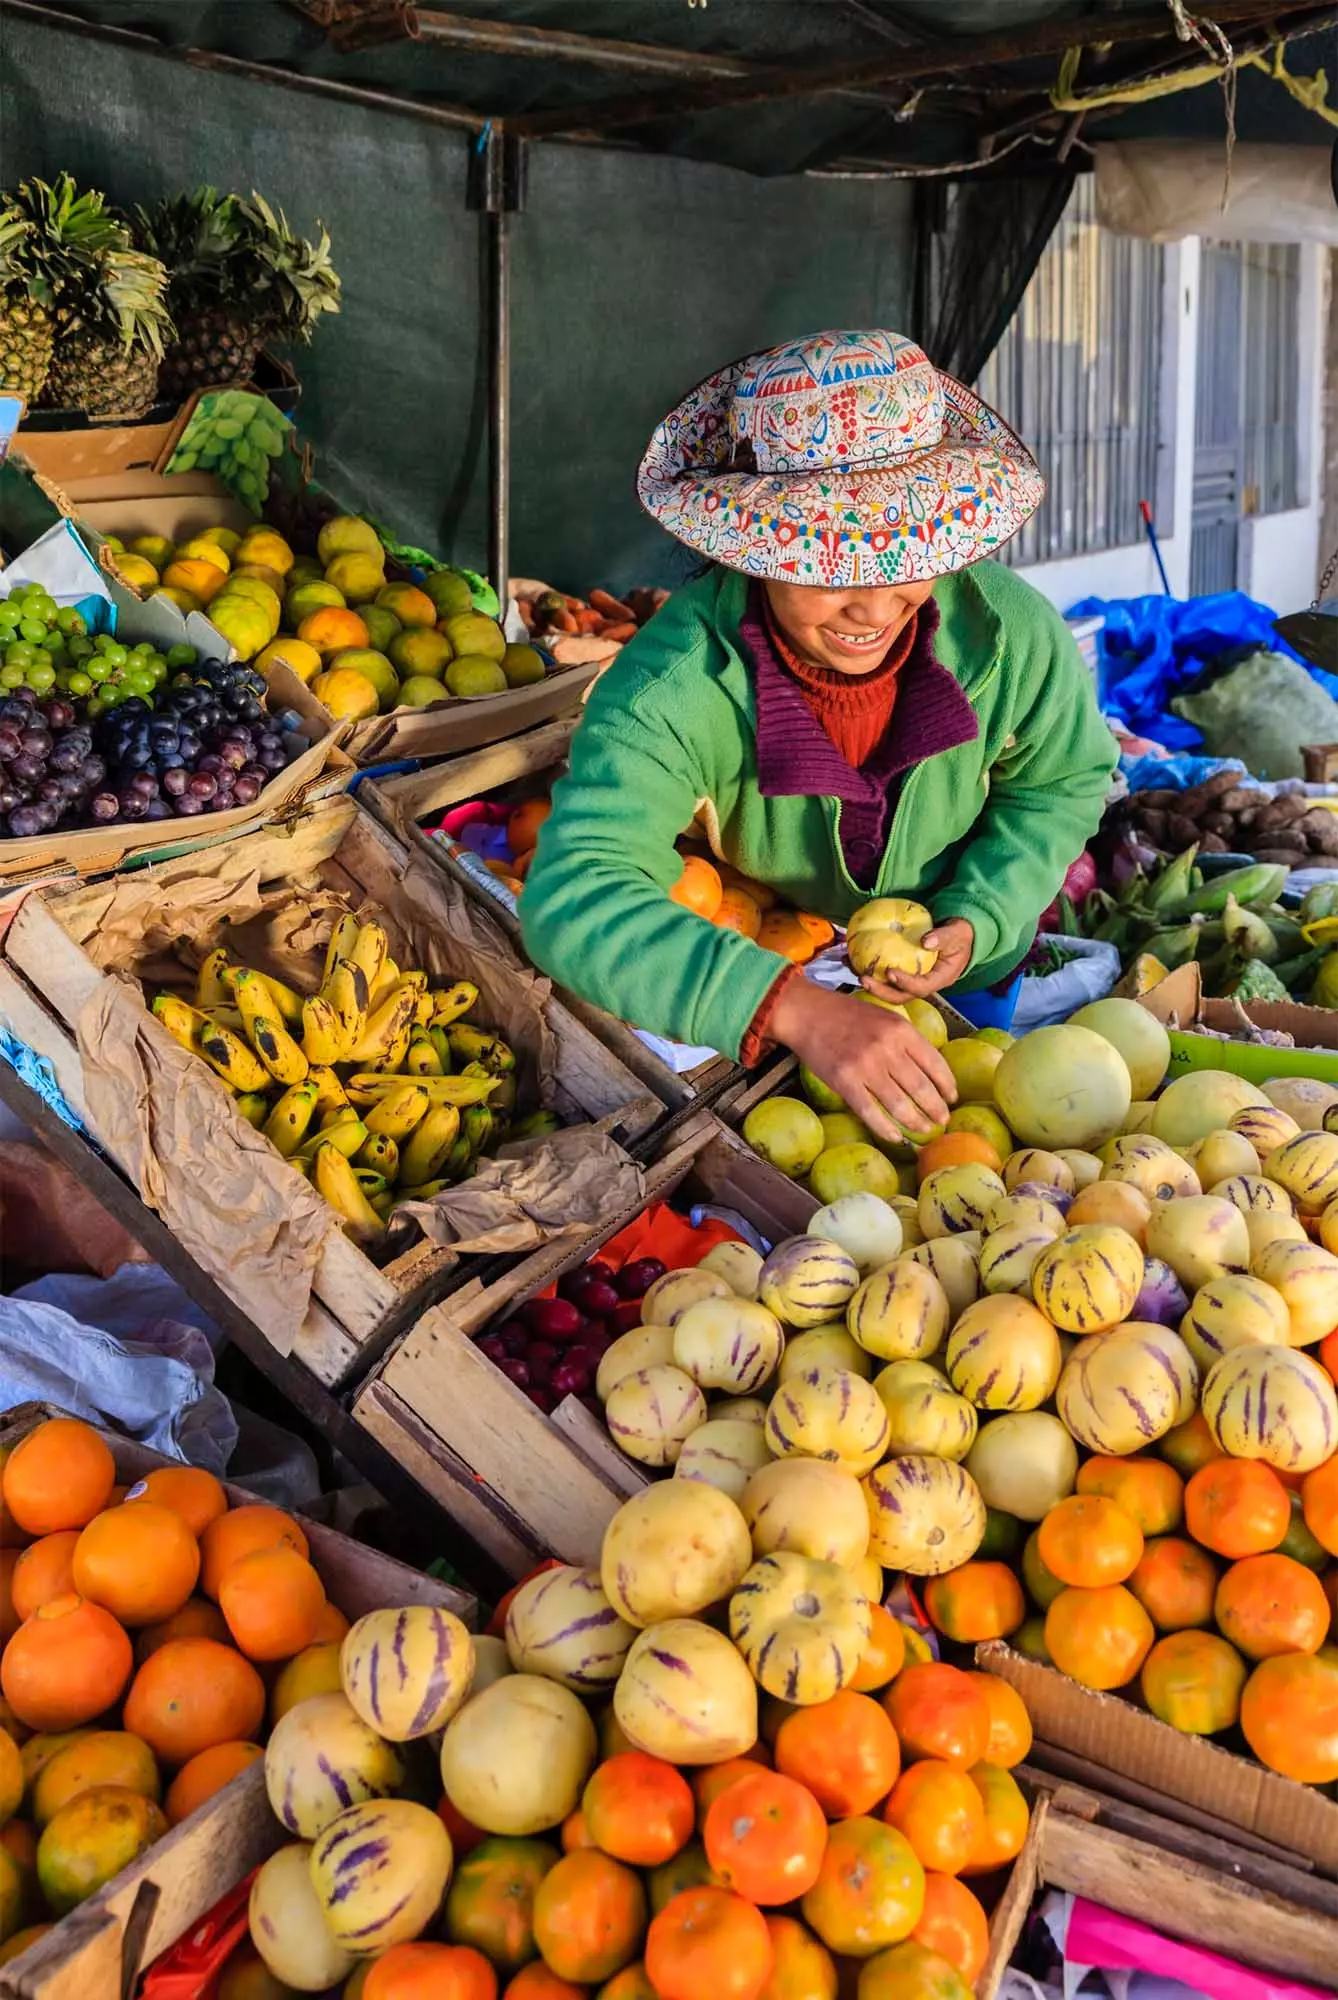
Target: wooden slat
399,801
1010,1912
23,1013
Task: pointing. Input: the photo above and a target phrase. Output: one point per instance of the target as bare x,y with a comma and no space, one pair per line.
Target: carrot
588,621
563,621
627,630
612,607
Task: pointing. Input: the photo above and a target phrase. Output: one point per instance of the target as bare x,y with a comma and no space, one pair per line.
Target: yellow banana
422,1012
182,1021
350,1136
286,1126
227,1017
330,1092
424,1192
321,1040
421,1058
370,1181
287,1001
416,979
369,1086
211,989
392,1062
475,1045
457,1162
395,1115
476,1125
254,1107
338,1114
381,1154
346,992
440,1041
369,953
302,1165
384,1202
342,940
334,1178
422,1154
502,1103
386,981
452,1002
384,1026
228,1055
271,1041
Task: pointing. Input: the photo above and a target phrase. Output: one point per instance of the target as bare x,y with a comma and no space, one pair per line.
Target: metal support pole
497,191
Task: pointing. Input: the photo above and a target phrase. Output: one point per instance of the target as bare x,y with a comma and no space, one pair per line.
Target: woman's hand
953,942
884,1071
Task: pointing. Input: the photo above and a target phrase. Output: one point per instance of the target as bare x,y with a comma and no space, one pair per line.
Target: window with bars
1078,375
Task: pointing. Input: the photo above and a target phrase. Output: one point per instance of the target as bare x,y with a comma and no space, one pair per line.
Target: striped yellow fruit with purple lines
670,1296
322,1758
560,1624
1009,1256
686,1695
1199,1237
651,1413
925,1414
807,1281
1148,1164
1272,1403
1253,1195
1003,1354
824,1347
1232,1311
900,1313
1034,1163
809,1507
1265,1127
671,1550
802,1626
1307,1166
379,1871
1306,1278
733,1344
1088,1279
1121,1391
926,1515
955,1262
956,1198
1032,1209
407,1671
724,1452
828,1413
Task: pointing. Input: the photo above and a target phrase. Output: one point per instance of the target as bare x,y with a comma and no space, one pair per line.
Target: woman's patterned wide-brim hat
845,459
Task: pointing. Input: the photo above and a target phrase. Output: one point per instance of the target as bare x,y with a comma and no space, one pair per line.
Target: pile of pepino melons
637,1804
138,1631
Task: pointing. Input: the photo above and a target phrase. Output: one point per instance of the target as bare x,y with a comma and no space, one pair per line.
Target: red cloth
855,710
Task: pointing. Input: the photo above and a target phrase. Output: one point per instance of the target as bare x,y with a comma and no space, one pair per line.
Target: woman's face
848,631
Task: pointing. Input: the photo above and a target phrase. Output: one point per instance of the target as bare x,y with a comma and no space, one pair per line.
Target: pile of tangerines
712,889
139,1629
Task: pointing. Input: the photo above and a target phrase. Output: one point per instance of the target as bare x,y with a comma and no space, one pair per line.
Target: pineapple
238,277
110,346
25,314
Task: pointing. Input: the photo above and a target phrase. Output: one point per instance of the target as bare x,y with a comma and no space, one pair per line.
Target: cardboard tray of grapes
98,1949
524,1482
78,965
524,767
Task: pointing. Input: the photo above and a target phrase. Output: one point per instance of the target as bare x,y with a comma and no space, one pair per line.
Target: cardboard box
96,450
526,1484
176,1882
1178,997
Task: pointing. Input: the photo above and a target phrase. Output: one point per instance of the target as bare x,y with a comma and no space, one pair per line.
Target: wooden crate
100,1948
502,770
47,978
523,1484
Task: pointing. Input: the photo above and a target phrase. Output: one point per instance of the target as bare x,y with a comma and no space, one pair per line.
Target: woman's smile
859,642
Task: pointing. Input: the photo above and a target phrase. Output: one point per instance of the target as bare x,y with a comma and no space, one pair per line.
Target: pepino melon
650,1414
1307,1167
1009,1256
1200,1237
925,1414
822,1347
864,1225
1272,1403
685,1695
1024,1464
643,1347
672,1550
730,1344
406,1672
807,1506
288,1926
1265,1127
1034,1164
1138,1036
725,1452
901,1313
515,1758
1141,1160
1120,1391
926,1515
1088,1279
953,1199
1003,1354
807,1281
955,1262
560,1624
1200,1103
379,1871
322,1757
737,1263
1230,1312
826,1413
1304,1099
1063,1088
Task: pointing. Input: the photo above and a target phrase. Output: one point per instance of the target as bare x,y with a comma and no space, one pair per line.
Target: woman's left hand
953,942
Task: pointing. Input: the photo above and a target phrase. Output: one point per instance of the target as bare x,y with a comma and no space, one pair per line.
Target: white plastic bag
1092,970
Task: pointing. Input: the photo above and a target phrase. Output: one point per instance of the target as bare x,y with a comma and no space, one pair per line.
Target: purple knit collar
795,755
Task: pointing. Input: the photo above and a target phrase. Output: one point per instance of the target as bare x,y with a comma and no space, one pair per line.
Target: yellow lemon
183,599
973,1064
927,1021
295,654
358,576
349,696
137,571
263,545
155,549
227,538
206,552
344,535
986,1122
203,579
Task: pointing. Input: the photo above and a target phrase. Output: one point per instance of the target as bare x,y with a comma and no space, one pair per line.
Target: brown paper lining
569,1184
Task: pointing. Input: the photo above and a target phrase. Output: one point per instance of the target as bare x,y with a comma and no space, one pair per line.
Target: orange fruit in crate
738,912
535,1982
1150,1491
65,1665
802,1968
431,1972
818,928
940,1811
781,931
975,1602
1270,1604
765,1837
884,1656
574,1832
845,1750
1237,1507
708,1942
59,1476
1007,1817
331,1624
1099,1637
197,1619
1088,1540
698,888
45,1569
1193,1680
241,1533
953,1924
272,1600
202,579
689,1869
638,1809
9,1617
938,1711
187,1490
956,1149
1319,1503
1175,1583
315,1670
331,628
869,1892
192,1694
1289,1716
589,1917
523,824
1189,1446
713,1779
1010,1724
141,1562
206,1774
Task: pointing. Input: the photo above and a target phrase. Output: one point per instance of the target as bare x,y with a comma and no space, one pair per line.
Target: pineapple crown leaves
67,250
230,251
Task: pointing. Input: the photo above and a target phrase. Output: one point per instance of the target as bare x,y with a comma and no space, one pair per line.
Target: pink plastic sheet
1099,1937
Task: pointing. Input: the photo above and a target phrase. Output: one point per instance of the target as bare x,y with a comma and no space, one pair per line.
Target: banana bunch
375,1087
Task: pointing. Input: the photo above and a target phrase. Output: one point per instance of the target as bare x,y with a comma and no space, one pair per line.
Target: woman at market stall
849,700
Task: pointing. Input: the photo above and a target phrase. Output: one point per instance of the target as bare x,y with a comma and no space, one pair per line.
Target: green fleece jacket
984,831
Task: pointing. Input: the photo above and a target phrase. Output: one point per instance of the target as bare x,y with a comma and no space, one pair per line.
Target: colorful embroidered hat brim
845,460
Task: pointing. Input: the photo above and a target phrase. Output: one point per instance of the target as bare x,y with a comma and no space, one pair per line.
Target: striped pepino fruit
406,1672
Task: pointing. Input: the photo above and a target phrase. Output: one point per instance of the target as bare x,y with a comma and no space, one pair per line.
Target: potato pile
1223,816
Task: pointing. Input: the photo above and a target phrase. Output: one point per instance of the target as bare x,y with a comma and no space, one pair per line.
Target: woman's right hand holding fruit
884,1071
